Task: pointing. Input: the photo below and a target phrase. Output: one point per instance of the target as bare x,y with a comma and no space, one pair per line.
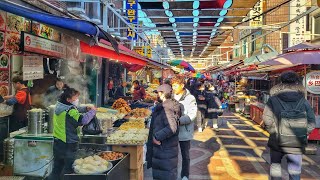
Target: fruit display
151,97
122,106
140,113
130,137
132,125
91,165
111,156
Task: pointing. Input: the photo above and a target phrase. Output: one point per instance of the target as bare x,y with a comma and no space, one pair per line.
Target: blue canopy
77,25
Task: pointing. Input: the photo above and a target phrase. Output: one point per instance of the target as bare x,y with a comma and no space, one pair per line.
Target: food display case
33,155
120,170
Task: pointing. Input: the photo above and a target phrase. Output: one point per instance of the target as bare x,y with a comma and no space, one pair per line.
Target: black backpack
292,125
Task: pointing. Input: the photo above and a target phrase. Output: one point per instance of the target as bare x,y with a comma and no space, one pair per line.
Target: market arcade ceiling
194,29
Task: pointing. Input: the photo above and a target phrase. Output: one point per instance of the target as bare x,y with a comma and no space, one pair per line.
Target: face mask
76,102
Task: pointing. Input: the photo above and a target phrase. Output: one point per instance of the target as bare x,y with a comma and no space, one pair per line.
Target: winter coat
189,114
164,127
214,105
202,104
139,93
291,95
67,120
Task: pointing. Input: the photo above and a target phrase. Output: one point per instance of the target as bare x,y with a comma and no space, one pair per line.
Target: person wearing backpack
289,118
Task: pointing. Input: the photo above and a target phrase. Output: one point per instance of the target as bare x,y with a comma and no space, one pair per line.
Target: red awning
106,52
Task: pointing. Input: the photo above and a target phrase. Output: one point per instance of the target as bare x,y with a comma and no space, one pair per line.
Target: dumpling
78,161
90,167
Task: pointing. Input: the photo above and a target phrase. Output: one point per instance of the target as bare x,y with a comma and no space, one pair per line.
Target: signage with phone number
35,44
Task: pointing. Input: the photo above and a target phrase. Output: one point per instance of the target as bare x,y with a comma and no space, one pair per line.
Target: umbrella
303,46
182,64
295,58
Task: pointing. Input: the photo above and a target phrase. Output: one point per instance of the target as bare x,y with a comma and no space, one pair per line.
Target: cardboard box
135,152
136,174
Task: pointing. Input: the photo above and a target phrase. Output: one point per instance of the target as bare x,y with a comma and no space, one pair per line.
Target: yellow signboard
149,52
198,65
144,51
256,12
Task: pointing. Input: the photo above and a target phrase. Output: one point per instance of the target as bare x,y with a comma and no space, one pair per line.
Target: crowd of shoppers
180,104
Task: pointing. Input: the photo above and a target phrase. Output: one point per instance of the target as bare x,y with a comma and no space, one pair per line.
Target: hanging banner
43,46
32,67
256,11
298,27
149,52
132,15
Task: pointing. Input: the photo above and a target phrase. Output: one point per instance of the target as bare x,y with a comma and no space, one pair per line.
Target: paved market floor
238,151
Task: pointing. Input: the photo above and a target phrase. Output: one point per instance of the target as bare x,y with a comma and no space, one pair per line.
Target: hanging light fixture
196,4
195,12
165,5
220,19
168,13
227,4
172,20
196,20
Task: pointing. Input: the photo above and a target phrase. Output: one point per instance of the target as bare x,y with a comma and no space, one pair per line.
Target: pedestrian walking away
289,119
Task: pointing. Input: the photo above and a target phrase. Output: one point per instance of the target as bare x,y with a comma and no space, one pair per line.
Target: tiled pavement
238,151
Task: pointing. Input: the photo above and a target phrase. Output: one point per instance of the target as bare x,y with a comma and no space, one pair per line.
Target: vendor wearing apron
21,102
67,120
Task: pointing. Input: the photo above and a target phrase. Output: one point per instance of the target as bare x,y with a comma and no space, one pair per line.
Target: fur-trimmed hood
288,92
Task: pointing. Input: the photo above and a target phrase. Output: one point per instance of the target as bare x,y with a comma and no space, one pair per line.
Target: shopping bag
93,128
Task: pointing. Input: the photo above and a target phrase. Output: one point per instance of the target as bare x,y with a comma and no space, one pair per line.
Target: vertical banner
298,27
149,52
256,11
132,15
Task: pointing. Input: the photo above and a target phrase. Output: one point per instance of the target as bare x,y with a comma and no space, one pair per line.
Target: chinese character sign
149,52
256,11
297,28
139,50
132,15
312,83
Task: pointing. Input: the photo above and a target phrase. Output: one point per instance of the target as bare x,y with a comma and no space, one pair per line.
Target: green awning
260,58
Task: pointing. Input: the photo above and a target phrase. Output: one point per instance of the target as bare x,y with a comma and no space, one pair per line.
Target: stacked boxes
136,160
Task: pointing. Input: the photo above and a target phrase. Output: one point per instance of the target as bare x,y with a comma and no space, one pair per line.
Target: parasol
182,65
303,53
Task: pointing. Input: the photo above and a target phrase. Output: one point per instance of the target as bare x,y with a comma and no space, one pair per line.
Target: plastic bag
93,128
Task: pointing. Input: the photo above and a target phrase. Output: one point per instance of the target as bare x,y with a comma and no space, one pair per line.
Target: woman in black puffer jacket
163,140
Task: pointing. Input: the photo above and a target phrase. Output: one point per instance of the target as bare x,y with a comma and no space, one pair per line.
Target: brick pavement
238,151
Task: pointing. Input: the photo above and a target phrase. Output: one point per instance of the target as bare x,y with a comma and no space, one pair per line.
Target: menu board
32,67
4,74
35,44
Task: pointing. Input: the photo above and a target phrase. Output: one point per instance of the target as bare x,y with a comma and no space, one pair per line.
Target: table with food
117,151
